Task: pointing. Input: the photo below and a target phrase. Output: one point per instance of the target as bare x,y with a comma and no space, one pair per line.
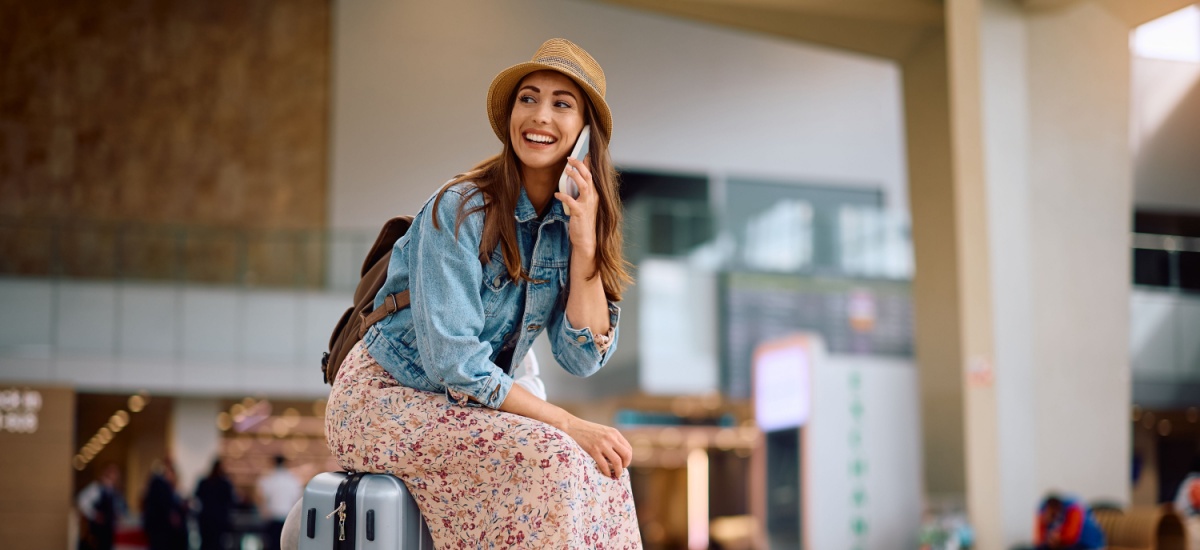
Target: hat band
569,65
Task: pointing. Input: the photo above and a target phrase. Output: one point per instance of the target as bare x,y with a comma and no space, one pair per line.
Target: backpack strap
391,304
400,300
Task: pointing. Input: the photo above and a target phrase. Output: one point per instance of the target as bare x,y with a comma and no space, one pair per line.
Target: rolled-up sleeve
575,349
448,313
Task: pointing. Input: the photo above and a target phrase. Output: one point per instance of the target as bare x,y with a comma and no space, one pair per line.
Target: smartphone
566,185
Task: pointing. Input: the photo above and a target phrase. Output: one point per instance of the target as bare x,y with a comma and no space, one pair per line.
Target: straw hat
556,54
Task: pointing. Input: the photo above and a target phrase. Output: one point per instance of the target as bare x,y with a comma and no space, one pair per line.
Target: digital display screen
782,384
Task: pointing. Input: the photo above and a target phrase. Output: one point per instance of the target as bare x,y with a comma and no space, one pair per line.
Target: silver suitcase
359,511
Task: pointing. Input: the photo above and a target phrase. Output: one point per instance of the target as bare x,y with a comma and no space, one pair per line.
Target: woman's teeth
538,138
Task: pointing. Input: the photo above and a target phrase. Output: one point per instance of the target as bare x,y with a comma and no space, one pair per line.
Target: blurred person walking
497,256
1187,504
277,493
1065,523
216,498
101,506
164,513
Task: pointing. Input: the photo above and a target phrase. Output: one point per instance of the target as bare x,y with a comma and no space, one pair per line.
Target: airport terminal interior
903,269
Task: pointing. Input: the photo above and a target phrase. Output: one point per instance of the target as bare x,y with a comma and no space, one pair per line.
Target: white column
194,439
1080,207
1058,176
1005,106
1022,245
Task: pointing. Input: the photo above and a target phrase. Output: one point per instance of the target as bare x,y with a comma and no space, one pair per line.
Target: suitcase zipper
341,513
347,510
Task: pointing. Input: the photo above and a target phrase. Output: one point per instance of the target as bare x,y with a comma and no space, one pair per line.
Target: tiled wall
160,112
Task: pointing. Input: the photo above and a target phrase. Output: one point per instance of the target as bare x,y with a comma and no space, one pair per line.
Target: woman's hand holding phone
582,209
566,184
587,304
581,206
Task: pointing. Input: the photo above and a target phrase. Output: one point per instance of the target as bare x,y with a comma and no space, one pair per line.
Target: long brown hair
499,179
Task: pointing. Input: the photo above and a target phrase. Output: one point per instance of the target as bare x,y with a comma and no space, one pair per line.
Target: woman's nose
542,113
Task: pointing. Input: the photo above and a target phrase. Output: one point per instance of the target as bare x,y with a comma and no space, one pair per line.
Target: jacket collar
526,212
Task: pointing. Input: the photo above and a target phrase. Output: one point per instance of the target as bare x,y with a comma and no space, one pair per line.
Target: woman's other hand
606,445
582,227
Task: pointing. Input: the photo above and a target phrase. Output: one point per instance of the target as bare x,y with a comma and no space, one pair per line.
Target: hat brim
503,85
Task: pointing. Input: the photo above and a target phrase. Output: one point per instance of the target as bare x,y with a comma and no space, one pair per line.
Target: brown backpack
355,321
358,318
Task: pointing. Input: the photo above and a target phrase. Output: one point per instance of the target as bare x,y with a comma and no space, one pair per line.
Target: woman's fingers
626,453
621,448
614,467
568,201
586,202
606,445
601,462
608,461
582,176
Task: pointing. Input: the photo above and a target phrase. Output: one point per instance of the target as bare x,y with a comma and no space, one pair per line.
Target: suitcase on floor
356,511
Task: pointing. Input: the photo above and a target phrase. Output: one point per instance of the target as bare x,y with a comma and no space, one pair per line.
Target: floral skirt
481,477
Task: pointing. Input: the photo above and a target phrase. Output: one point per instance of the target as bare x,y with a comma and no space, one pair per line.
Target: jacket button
581,339
496,281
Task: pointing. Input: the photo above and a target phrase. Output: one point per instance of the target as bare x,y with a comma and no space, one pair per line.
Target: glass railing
266,258
790,237
666,227
331,259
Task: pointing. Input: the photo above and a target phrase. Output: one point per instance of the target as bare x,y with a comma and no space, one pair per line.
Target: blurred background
903,267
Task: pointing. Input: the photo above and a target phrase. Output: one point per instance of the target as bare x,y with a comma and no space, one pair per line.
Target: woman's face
547,117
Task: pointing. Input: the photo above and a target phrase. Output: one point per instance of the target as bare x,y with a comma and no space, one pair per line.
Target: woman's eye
562,105
526,99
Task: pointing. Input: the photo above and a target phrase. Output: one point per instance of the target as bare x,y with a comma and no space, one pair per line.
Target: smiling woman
546,118
491,262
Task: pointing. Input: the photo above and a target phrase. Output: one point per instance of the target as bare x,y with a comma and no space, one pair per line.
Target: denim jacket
462,311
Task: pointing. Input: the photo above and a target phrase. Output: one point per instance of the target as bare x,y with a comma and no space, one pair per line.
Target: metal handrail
1169,243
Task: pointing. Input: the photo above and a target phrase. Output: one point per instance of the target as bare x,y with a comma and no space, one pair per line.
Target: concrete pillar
936,281
952,282
1020,176
964,24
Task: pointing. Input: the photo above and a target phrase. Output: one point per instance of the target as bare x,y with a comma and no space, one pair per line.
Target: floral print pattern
482,478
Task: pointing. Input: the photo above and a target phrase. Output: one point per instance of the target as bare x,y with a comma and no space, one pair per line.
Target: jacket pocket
496,284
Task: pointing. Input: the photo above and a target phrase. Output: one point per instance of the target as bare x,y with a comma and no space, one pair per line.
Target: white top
86,501
530,379
279,491
1185,501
